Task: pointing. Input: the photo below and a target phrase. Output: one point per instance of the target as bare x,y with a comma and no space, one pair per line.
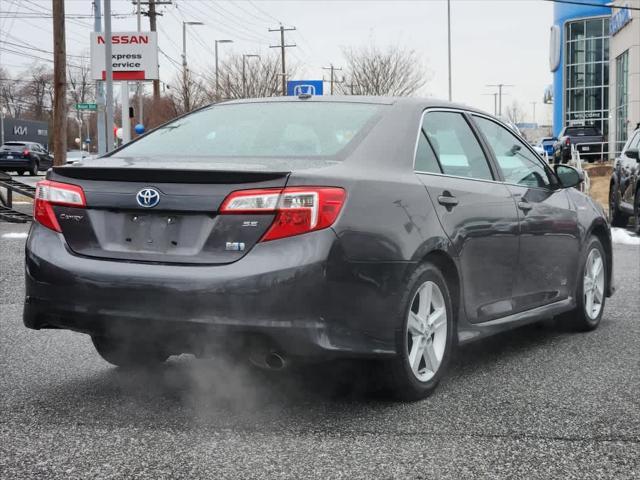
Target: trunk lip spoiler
167,175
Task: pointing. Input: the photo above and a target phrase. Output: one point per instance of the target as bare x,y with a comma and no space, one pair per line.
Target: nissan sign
134,56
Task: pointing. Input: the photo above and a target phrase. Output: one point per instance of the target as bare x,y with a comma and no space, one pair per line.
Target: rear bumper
297,293
18,164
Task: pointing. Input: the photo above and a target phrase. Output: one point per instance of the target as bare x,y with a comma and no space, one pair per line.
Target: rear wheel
591,289
616,217
124,353
20,172
426,340
33,168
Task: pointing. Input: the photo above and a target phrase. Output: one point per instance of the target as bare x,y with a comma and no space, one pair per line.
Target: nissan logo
148,197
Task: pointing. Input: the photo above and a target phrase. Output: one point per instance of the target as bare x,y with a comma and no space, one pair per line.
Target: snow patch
19,235
624,237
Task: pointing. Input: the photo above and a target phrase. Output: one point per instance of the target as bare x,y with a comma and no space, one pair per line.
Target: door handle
447,200
524,206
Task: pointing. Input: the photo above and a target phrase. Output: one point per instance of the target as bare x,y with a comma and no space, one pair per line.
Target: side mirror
568,176
633,153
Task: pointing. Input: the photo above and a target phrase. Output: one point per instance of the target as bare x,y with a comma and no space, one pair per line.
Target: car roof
401,102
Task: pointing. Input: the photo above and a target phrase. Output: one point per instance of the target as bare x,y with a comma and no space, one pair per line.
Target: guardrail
9,185
594,151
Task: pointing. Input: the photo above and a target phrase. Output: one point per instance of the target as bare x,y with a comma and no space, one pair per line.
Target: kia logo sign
20,130
148,197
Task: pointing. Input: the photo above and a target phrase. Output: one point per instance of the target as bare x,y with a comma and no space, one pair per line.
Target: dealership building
595,60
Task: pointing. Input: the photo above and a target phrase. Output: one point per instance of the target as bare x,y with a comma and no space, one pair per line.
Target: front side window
456,146
518,165
260,130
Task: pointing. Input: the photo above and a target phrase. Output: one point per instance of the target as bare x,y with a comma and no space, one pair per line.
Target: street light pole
185,87
244,77
217,76
449,44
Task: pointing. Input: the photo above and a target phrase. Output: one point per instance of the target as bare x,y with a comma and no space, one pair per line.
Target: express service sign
134,56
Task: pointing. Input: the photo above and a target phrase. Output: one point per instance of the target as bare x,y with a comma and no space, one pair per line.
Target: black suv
23,157
624,190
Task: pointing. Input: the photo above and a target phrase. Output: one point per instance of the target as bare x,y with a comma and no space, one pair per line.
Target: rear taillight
50,193
25,152
297,209
567,141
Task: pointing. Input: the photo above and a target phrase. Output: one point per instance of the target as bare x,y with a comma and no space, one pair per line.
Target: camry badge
148,197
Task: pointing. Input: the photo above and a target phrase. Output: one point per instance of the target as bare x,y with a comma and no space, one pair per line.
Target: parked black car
23,157
587,140
624,190
315,228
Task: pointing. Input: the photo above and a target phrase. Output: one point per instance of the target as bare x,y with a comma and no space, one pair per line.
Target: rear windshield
547,141
269,129
14,144
582,131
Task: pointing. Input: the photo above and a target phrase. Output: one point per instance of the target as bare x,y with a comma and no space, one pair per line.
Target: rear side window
426,160
270,129
456,146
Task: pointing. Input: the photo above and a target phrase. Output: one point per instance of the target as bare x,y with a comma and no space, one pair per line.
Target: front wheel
616,217
592,285
426,338
124,353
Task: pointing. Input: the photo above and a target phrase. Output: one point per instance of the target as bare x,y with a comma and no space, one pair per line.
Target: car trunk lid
183,227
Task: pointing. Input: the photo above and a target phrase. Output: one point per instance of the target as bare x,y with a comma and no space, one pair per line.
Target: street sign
304,87
93,107
134,55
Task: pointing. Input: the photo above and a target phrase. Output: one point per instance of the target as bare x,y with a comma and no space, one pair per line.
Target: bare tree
194,95
515,112
37,92
260,77
11,95
372,70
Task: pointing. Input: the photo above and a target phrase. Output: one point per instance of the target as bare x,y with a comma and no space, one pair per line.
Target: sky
493,41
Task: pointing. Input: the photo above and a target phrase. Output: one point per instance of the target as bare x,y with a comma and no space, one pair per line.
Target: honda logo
304,90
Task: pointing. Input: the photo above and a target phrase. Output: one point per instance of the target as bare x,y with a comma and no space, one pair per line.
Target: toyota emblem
148,197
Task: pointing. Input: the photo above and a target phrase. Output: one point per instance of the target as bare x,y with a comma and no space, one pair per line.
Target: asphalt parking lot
538,402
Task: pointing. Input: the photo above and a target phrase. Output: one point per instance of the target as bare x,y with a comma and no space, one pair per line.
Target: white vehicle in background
74,156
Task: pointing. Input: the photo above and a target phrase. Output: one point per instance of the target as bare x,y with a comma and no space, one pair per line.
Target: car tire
616,217
33,168
428,326
127,354
20,172
592,283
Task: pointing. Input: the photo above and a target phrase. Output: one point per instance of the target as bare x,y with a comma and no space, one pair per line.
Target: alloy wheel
426,331
593,284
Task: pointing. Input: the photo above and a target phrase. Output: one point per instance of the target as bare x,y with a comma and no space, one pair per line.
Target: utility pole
282,48
534,111
449,44
59,85
152,14
332,77
97,27
500,86
495,102
108,63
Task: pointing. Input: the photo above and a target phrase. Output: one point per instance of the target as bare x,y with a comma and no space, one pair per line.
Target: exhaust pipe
268,360
274,361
